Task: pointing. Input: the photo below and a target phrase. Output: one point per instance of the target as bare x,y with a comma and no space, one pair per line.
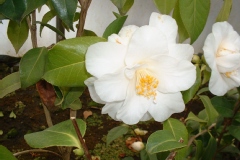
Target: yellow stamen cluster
222,50
229,74
146,84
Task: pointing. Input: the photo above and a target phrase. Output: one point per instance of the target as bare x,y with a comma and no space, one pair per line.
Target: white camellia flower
139,73
221,51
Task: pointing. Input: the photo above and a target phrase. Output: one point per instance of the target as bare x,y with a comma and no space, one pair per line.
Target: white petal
105,58
146,42
166,24
112,87
210,49
126,33
90,84
217,85
134,106
181,51
228,62
166,105
147,116
111,109
173,75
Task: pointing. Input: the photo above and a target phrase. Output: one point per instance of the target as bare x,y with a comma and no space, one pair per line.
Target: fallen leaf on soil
86,114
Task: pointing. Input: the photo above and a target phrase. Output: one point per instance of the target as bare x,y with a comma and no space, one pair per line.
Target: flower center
224,51
146,84
229,74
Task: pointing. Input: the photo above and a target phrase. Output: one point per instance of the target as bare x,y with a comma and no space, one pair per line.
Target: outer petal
181,51
166,24
112,87
147,116
134,106
90,84
105,58
146,42
126,33
111,109
173,75
210,49
166,105
217,85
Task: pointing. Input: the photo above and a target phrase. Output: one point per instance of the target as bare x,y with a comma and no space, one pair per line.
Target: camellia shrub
137,73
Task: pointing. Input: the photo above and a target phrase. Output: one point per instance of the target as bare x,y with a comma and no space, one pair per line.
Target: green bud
196,59
78,152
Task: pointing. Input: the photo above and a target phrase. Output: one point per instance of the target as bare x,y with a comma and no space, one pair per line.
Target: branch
87,154
84,8
199,134
33,28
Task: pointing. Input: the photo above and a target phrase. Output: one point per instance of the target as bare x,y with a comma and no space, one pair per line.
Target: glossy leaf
165,6
32,5
210,150
116,132
9,84
192,116
180,133
235,131
123,5
223,106
194,15
212,114
17,34
66,62
13,9
61,134
231,149
206,76
225,11
182,32
46,18
65,10
191,92
5,154
161,141
52,28
114,27
128,158
32,66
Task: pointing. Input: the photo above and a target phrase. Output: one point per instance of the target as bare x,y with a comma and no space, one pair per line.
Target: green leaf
13,9
237,117
231,149
180,133
52,28
194,15
212,114
32,66
9,84
5,154
32,5
66,62
116,132
65,9
2,1
114,27
192,116
182,32
199,149
146,156
61,134
128,158
225,11
88,33
191,92
223,106
70,95
123,5
234,131
17,34
161,141
206,76
165,6
46,18
210,150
